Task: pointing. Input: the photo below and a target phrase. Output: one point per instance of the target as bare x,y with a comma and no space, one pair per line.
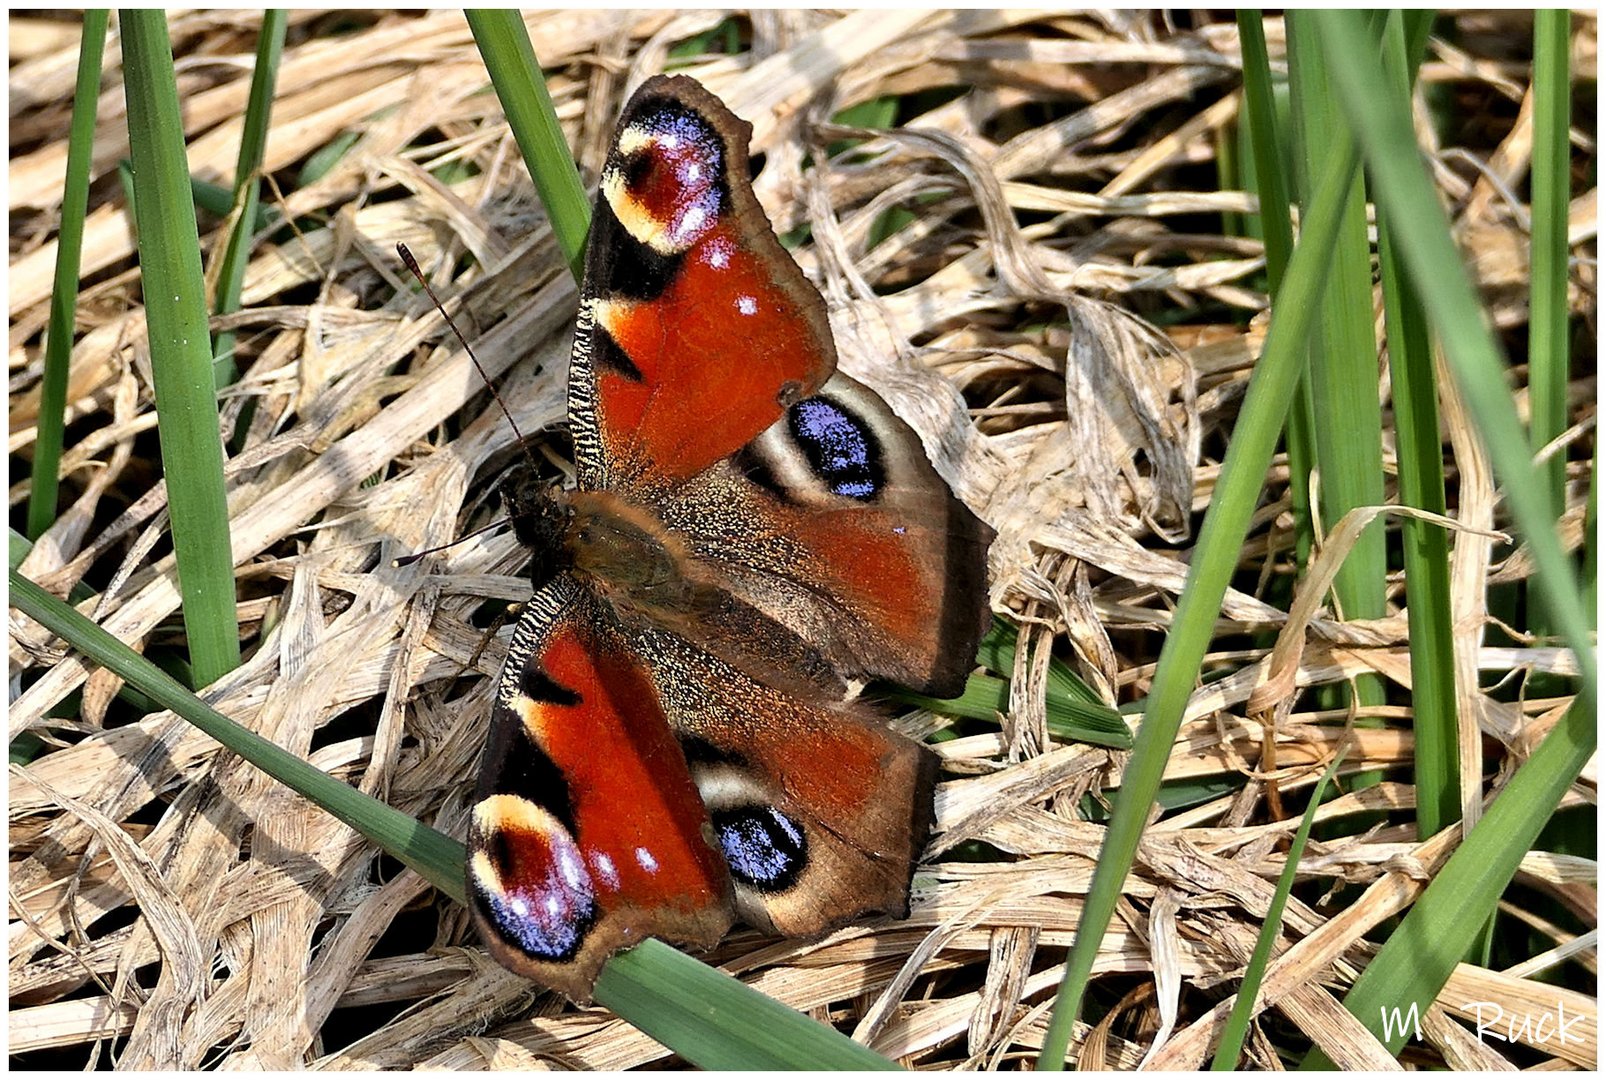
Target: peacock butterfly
752,535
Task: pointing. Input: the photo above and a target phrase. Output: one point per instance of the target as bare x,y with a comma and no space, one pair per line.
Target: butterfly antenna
412,264
408,560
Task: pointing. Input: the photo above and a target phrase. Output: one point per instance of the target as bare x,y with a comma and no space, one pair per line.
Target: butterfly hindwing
696,328
835,525
821,810
587,832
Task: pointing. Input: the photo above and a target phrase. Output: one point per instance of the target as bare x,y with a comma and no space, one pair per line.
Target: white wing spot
691,221
570,867
747,305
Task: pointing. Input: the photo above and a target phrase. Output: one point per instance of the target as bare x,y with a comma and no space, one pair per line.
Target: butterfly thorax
648,576
618,547
624,552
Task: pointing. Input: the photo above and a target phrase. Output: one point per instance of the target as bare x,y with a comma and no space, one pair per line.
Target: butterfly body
675,740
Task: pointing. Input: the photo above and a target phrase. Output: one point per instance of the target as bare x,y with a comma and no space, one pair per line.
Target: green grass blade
1404,192
997,652
504,44
715,1022
45,485
1421,479
1271,183
1068,717
724,35
323,160
247,187
213,198
20,546
1416,961
181,347
1547,308
1074,712
1591,551
1547,296
1231,1047
437,857
1226,523
1260,115
706,1017
1343,359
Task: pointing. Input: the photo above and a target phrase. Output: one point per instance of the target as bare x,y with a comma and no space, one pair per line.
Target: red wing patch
697,329
587,833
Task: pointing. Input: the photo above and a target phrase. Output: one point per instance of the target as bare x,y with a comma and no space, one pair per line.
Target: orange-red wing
588,833
696,328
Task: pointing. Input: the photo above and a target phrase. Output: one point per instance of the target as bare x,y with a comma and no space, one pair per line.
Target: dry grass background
170,906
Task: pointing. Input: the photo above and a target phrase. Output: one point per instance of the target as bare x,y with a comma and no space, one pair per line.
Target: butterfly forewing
696,330
587,831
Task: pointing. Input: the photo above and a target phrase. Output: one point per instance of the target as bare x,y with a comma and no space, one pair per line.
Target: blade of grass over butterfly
1547,303
1271,184
181,347
1405,193
1231,1047
247,187
504,44
1413,965
1214,559
1343,359
64,292
716,1022
705,1016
